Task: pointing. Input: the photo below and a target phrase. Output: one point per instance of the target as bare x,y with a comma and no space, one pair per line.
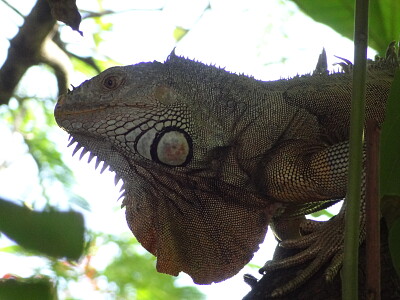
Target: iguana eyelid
112,82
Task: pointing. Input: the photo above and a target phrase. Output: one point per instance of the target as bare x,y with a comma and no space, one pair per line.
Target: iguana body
209,158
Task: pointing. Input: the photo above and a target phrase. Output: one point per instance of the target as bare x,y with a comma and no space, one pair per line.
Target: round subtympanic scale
173,148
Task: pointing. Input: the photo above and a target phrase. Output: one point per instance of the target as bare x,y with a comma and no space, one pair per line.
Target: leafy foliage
135,275
384,25
33,119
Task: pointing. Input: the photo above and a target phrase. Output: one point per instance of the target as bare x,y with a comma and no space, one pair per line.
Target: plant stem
351,238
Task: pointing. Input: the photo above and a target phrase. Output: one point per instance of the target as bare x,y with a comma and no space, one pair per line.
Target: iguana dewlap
209,158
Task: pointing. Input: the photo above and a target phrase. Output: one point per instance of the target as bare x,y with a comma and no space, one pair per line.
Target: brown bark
373,211
25,48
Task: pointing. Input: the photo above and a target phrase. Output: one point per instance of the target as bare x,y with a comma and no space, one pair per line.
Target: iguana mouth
64,108
77,112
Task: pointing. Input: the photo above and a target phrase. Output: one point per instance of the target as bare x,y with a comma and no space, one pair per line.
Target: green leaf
31,288
79,201
394,245
58,234
390,170
323,212
85,67
390,208
179,33
384,25
254,266
17,250
390,143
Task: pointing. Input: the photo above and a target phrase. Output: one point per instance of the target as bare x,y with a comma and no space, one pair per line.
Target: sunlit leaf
18,250
102,27
97,38
79,201
254,266
323,212
106,26
179,33
85,67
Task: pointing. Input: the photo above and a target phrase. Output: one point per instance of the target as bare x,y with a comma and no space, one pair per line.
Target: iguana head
160,127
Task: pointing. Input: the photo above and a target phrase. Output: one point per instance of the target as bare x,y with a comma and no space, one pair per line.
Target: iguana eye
112,82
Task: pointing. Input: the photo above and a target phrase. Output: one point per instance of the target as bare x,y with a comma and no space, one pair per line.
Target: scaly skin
209,159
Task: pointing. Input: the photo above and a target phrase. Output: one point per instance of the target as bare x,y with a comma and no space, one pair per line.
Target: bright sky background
269,39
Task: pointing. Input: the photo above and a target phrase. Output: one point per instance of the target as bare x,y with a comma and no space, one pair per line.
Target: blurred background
267,39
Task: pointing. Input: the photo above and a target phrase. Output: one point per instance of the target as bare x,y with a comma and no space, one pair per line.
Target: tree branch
52,55
87,60
13,8
25,48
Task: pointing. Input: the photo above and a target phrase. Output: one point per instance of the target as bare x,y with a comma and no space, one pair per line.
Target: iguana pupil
112,82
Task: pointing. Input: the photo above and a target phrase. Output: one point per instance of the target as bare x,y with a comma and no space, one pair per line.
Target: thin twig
92,14
13,8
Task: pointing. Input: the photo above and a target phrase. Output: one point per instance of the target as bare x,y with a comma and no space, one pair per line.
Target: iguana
209,159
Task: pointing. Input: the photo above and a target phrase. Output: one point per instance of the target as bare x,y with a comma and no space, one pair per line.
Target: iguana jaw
105,152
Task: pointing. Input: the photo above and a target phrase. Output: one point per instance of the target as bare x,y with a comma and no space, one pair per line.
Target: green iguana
209,159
